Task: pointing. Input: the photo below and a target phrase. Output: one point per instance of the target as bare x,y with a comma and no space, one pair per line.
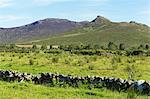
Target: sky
20,12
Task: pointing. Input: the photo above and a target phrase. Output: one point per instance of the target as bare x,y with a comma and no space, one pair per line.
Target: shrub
131,60
112,46
80,63
131,71
67,61
91,67
43,47
20,56
115,61
87,60
34,47
147,47
31,62
12,46
55,60
121,46
94,58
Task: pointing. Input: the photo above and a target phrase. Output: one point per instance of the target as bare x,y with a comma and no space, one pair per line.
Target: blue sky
19,12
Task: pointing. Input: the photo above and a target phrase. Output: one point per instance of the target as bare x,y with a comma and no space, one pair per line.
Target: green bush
91,67
55,60
31,62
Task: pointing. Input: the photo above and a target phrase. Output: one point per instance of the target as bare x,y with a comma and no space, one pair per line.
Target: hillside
37,30
62,31
101,31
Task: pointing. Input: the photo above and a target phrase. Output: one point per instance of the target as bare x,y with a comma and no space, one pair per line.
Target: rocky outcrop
99,20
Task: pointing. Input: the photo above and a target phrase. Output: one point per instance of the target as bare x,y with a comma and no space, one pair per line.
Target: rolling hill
101,31
37,30
62,31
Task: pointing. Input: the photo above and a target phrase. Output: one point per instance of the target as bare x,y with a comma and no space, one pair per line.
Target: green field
67,63
30,91
81,65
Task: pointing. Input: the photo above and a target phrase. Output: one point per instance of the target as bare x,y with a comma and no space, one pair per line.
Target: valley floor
136,67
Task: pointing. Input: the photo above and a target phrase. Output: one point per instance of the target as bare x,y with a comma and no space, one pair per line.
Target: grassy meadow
135,67
36,91
81,65
130,35
30,91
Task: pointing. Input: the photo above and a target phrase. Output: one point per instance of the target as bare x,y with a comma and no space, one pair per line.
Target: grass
29,91
66,63
81,65
130,35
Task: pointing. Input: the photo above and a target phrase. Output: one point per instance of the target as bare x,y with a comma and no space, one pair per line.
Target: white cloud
5,3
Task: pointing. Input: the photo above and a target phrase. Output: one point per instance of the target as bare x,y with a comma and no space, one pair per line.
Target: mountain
101,31
99,20
37,30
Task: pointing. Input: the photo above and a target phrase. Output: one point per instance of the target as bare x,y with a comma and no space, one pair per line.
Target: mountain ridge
44,29
37,29
101,31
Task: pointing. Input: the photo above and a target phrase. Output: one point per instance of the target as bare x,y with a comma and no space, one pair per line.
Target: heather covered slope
101,31
37,30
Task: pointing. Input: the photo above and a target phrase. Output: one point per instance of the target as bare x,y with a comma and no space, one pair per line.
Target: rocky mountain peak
100,20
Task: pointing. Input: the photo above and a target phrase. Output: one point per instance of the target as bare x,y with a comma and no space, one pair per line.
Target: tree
96,46
147,47
80,47
141,47
31,62
12,46
103,48
70,47
50,46
121,46
112,46
43,47
87,46
34,47
77,47
61,47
